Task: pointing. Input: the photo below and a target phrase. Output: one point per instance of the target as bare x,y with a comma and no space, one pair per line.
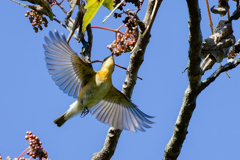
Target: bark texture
173,148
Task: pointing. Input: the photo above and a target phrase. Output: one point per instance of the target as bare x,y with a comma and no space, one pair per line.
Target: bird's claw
85,112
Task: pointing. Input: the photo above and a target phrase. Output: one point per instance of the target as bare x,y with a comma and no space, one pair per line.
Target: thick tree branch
221,69
136,60
174,145
195,41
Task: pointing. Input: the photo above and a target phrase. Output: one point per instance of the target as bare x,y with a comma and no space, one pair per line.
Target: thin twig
60,22
115,65
185,70
20,3
150,20
69,14
113,11
224,71
218,71
60,5
146,29
77,22
75,36
209,17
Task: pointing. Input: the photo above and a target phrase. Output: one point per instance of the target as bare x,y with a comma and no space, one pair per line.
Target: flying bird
93,89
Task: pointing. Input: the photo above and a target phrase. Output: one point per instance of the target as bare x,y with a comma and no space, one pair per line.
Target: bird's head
108,63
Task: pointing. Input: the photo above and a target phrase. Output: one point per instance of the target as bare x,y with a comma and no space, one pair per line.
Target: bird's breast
95,89
102,76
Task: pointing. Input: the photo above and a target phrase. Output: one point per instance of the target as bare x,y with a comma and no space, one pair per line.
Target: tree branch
136,60
173,148
195,41
221,69
90,38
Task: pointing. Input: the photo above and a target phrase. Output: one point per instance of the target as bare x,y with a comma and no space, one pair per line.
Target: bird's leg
85,110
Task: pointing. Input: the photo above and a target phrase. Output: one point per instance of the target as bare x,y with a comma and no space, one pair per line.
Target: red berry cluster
125,42
37,20
36,149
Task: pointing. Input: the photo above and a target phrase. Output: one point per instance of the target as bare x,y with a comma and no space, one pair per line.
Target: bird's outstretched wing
119,112
68,70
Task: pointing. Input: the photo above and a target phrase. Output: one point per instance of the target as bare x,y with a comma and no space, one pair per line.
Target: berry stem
120,26
59,5
23,153
109,29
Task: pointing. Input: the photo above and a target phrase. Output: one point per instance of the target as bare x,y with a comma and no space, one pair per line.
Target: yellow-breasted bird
45,5
93,90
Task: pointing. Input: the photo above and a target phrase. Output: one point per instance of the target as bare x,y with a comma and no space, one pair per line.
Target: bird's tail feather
60,120
74,110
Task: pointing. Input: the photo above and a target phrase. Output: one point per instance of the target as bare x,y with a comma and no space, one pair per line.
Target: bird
45,5
93,89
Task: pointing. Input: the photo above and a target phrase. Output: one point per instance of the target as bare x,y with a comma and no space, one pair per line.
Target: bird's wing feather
119,112
68,70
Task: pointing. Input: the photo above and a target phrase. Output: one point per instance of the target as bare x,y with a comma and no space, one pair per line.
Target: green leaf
108,4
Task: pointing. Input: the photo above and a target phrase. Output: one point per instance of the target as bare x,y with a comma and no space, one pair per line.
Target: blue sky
30,100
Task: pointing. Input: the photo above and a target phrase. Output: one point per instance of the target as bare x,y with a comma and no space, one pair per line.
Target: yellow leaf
90,3
93,6
108,4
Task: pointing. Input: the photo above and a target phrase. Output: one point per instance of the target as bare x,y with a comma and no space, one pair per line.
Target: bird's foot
85,112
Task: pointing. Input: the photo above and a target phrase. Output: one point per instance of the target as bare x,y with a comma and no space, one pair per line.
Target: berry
36,149
37,19
125,42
